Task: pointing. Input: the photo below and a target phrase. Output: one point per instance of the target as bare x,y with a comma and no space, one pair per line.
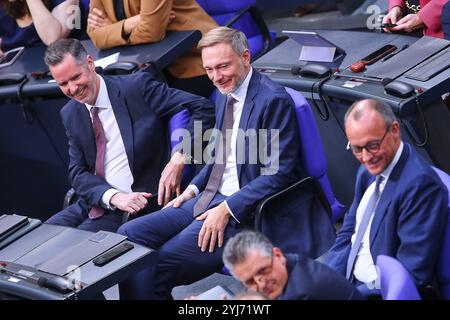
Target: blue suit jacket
268,106
142,107
409,220
312,280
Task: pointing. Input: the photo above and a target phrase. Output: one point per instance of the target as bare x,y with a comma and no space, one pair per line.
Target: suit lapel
121,112
388,191
249,104
87,139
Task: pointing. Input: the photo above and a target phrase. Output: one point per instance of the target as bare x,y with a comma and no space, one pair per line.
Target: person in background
426,18
445,20
261,267
399,208
31,22
114,23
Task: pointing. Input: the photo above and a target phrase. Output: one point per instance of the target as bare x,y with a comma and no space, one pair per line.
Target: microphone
58,283
295,70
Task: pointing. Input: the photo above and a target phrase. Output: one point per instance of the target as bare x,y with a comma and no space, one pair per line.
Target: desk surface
46,241
162,53
357,45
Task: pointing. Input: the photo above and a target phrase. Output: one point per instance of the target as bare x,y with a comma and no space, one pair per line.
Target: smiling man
116,127
190,232
263,268
400,204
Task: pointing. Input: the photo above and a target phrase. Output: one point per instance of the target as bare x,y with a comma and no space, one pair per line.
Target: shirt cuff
194,188
106,198
226,204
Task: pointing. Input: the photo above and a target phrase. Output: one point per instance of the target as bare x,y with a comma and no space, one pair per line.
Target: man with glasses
261,267
399,208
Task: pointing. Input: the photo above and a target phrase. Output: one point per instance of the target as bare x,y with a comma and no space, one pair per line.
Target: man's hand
178,201
171,179
410,23
393,17
132,202
216,220
97,19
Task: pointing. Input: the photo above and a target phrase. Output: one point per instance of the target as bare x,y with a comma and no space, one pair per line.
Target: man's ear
90,62
395,127
247,56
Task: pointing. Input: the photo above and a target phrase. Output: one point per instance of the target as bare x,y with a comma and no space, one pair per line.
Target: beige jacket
152,28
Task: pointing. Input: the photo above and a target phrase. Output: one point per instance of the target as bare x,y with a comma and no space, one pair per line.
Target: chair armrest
69,198
256,14
295,188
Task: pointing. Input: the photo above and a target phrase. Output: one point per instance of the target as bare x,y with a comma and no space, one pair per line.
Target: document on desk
407,59
106,61
77,255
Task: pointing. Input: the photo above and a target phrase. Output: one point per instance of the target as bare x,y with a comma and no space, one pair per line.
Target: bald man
400,204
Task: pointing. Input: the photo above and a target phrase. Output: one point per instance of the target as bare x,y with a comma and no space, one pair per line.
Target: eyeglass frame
261,274
376,143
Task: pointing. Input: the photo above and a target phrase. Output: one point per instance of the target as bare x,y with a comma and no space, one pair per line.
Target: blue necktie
370,209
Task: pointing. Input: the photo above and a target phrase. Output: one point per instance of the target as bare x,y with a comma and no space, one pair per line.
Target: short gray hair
357,109
57,50
238,247
235,38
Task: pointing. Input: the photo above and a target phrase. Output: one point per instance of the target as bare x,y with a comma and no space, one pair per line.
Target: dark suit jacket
409,220
268,106
142,107
312,280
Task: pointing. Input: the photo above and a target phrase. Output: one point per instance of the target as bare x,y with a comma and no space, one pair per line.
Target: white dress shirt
364,269
230,181
117,168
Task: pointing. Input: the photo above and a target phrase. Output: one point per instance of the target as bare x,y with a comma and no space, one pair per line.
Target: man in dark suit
261,267
118,138
190,232
400,204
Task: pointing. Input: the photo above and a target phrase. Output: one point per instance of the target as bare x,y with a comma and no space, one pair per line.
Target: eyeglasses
372,146
260,276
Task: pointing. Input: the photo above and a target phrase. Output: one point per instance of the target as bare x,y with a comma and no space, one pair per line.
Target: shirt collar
240,92
387,172
102,101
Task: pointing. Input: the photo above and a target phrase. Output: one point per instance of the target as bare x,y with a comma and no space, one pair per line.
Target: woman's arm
51,26
148,26
103,29
154,18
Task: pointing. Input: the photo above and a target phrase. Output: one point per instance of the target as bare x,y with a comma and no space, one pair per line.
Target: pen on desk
394,53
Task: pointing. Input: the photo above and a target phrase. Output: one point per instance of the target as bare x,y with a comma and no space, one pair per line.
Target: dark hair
18,9
57,50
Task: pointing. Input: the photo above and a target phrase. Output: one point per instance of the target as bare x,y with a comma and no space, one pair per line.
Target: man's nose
72,88
366,155
217,75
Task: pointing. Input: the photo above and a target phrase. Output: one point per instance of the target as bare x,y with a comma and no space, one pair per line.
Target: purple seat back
443,267
223,10
180,120
313,155
395,281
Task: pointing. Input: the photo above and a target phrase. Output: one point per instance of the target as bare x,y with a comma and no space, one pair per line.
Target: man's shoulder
129,81
70,108
271,88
